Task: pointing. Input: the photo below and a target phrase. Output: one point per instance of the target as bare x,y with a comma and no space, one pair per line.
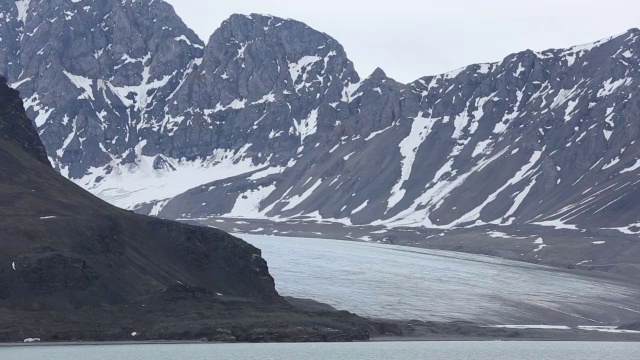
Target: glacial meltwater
395,282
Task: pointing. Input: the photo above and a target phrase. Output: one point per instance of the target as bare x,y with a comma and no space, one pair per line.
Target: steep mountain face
270,120
90,72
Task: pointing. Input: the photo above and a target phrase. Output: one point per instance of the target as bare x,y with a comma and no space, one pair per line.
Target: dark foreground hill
74,267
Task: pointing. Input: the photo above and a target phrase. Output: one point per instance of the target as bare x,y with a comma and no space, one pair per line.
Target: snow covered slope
270,120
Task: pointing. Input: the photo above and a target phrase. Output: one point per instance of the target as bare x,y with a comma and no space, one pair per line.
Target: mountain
529,139
75,267
269,120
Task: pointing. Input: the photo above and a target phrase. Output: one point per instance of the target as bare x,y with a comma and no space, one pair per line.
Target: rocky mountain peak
264,55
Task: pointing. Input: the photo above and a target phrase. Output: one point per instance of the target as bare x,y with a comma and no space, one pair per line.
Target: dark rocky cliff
75,267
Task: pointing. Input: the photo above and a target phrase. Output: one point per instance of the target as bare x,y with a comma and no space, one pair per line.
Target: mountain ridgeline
270,120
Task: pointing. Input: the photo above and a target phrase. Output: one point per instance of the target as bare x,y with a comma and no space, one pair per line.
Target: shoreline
569,336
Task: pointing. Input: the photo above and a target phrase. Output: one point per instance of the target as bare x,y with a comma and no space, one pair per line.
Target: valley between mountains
268,128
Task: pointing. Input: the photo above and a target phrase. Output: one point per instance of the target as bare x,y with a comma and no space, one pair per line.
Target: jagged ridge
270,120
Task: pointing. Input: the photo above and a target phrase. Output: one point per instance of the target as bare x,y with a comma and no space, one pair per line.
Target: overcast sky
412,38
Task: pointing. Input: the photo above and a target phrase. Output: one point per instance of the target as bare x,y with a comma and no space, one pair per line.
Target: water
408,283
346,351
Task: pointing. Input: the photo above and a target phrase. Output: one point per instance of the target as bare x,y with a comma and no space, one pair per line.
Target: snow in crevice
575,209
67,141
247,204
235,105
611,163
308,126
631,168
631,229
297,69
23,9
83,83
540,243
43,112
526,171
610,86
477,114
376,133
565,95
157,207
298,199
436,191
503,125
556,224
349,91
186,40
268,171
483,147
17,84
420,128
360,208
518,200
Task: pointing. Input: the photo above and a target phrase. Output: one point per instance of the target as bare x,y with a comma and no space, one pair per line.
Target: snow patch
482,148
611,163
23,8
298,199
185,39
308,126
420,128
128,185
610,86
296,68
268,171
557,224
361,207
631,168
376,133
247,204
540,243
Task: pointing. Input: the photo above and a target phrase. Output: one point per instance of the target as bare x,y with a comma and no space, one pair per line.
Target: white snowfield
140,183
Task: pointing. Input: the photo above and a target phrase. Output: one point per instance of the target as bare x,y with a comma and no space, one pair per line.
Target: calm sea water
346,351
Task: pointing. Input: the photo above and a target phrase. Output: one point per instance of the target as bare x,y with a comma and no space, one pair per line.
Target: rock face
75,267
270,120
59,239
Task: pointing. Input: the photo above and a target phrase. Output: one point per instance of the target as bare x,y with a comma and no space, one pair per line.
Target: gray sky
411,38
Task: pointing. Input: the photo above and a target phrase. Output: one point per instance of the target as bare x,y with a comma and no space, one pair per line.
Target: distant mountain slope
270,120
75,267
546,138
